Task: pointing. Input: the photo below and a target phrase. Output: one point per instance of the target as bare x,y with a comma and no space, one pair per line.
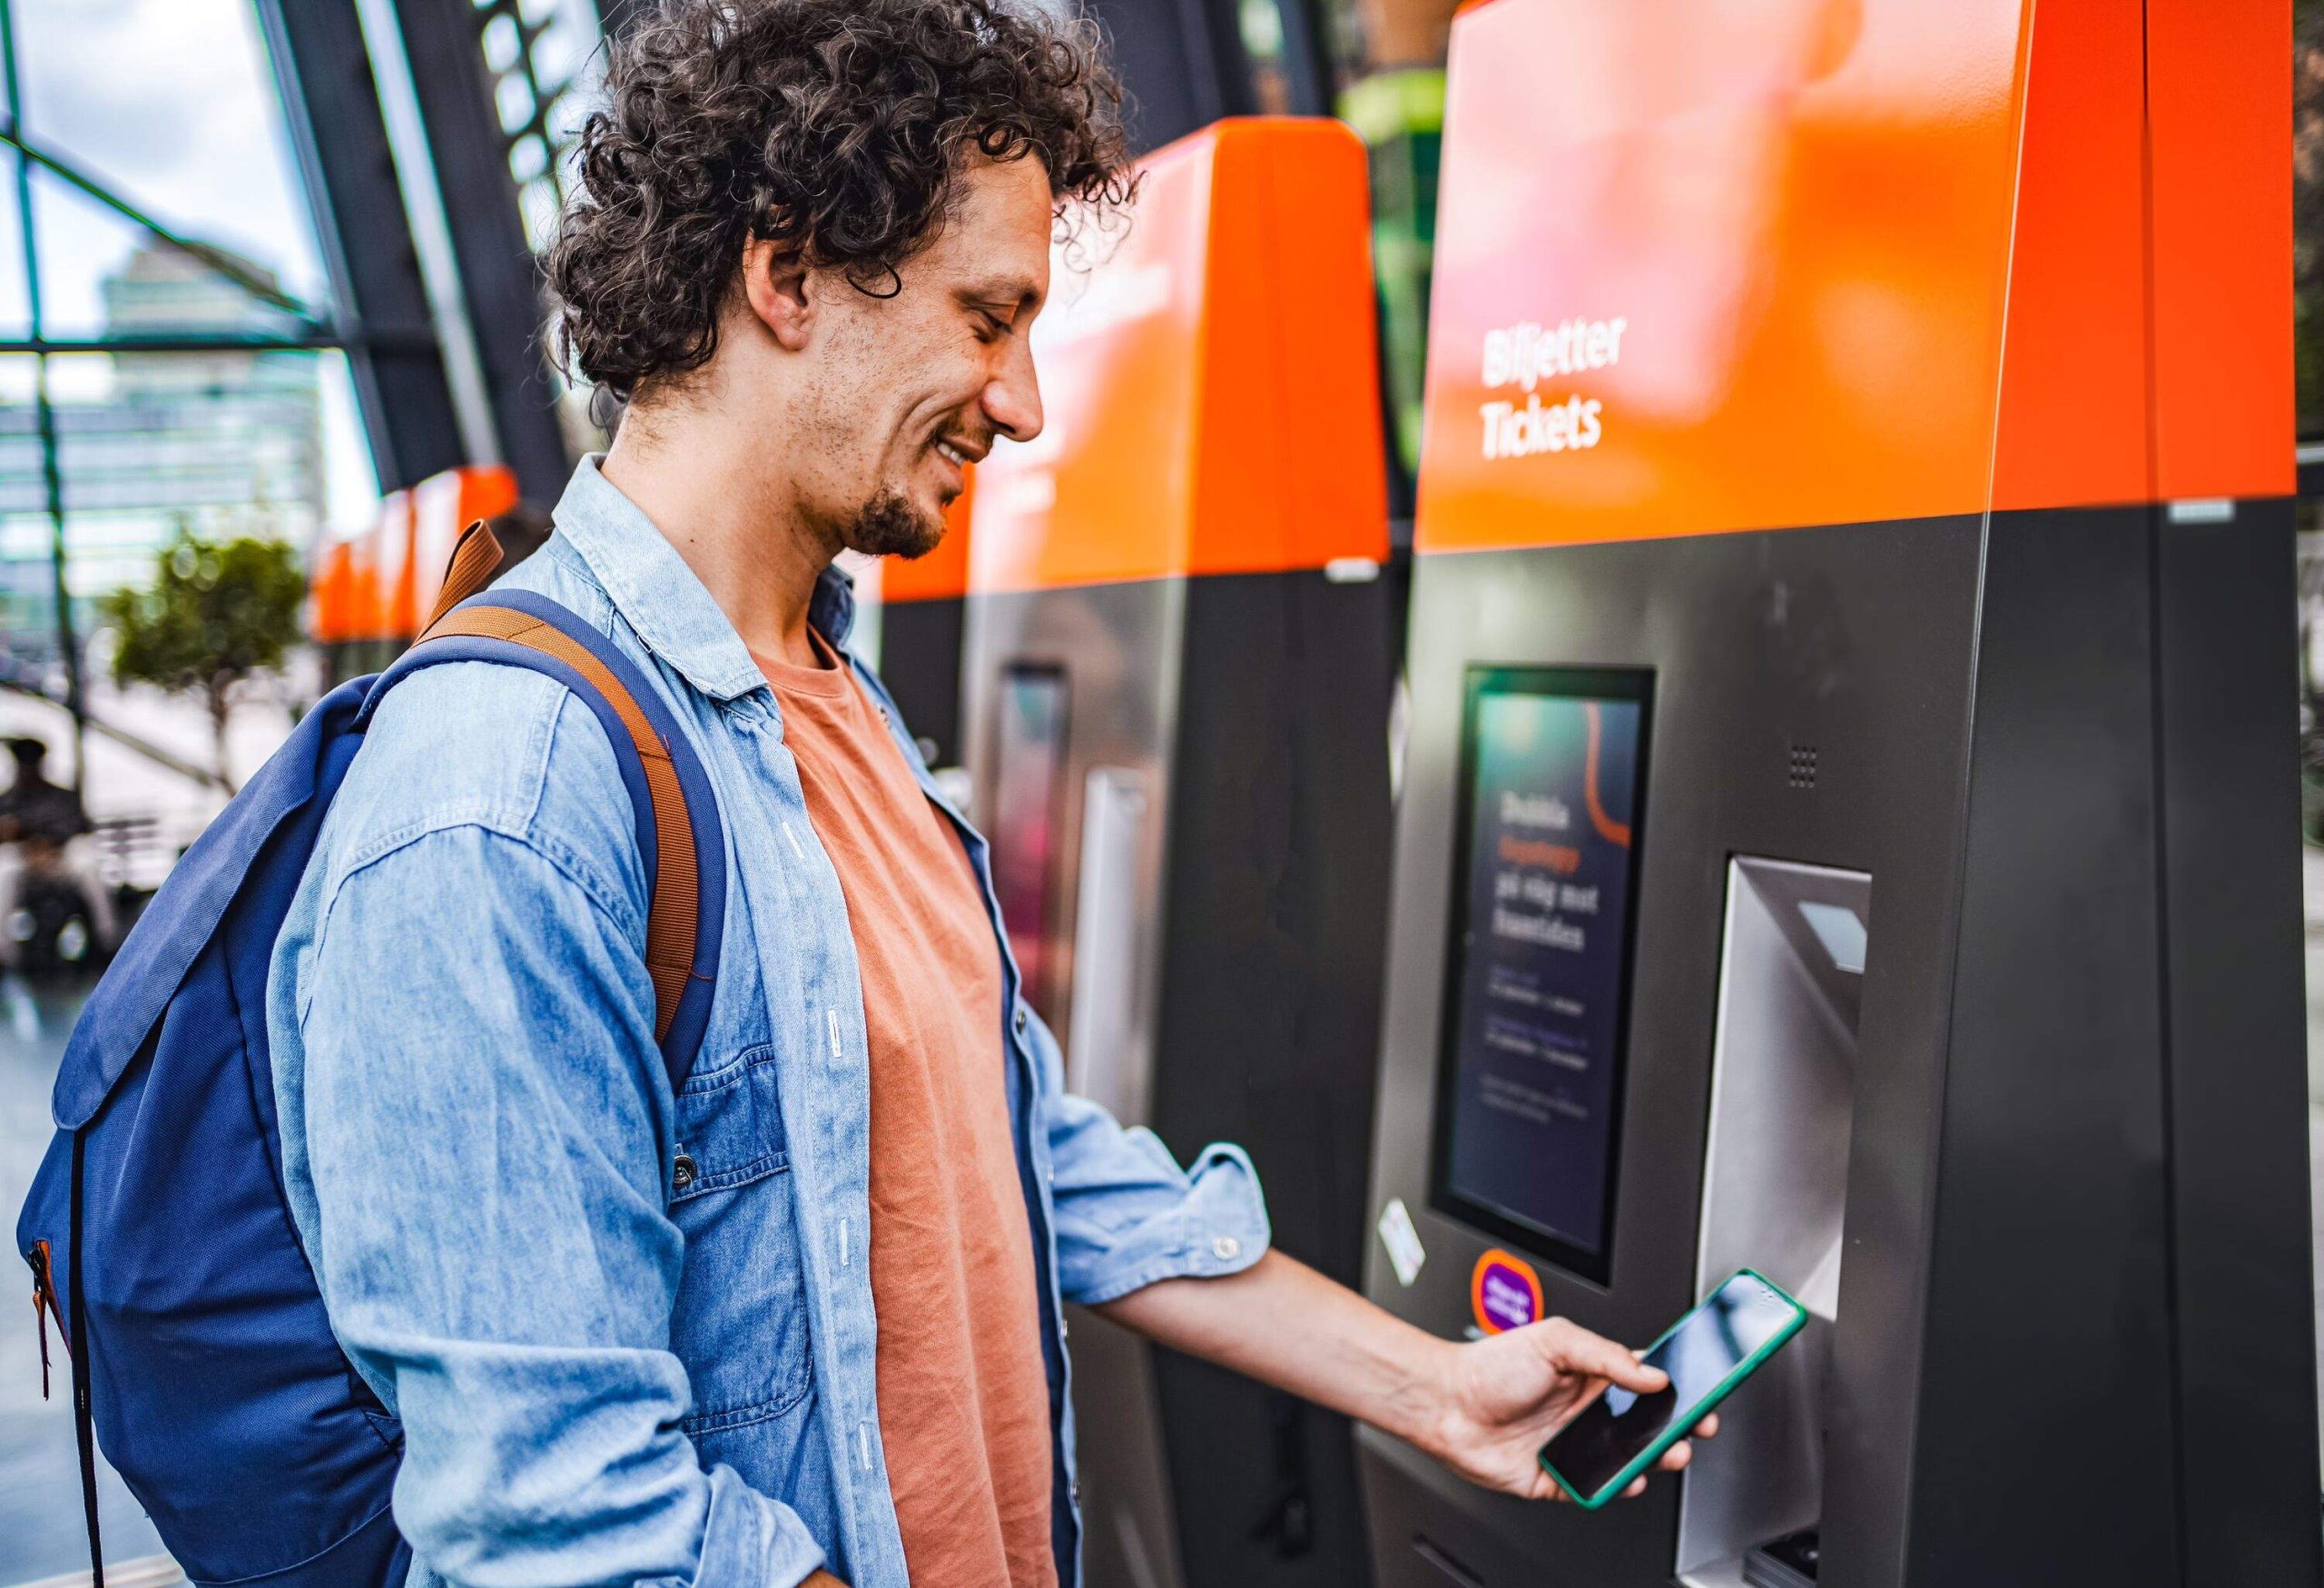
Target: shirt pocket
741,1321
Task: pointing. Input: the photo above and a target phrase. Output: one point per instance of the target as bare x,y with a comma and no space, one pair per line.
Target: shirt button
1225,1247
1073,1490
1020,1020
682,1172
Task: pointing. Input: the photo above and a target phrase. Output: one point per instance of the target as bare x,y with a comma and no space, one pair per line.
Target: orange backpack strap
670,922
679,834
476,557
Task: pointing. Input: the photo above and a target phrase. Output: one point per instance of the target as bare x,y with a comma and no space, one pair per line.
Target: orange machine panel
346,585
377,583
2220,119
331,583
1828,262
1744,267
2074,418
1211,383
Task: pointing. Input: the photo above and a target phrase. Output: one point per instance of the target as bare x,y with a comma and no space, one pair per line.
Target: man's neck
707,487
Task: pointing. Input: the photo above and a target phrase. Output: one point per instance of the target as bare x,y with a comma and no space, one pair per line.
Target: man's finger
1602,1358
1706,1429
1635,1490
1676,1458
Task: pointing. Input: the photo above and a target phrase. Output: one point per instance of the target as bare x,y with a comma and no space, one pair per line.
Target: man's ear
776,282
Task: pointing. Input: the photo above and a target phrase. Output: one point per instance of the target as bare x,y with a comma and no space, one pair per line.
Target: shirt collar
660,598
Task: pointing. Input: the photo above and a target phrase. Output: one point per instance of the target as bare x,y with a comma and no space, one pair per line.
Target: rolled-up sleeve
1126,1214
481,1107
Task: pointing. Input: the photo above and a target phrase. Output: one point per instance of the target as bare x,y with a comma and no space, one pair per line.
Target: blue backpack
159,1238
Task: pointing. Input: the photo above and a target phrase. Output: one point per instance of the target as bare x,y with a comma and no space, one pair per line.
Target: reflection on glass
1028,767
2308,212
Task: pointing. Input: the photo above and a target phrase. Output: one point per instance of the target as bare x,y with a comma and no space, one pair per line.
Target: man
39,821
802,1320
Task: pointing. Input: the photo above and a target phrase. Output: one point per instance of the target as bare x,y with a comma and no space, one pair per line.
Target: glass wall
2308,330
169,366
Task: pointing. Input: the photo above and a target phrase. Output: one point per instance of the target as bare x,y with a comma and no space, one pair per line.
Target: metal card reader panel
1775,1191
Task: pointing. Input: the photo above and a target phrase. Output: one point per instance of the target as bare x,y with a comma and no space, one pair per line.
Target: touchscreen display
1028,803
1741,1318
1551,789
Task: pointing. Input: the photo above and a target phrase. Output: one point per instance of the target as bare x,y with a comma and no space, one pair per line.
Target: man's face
907,390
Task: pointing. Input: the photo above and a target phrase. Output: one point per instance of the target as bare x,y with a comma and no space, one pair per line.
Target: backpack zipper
44,1307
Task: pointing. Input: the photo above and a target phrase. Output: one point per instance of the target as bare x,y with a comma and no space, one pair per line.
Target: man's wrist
1421,1401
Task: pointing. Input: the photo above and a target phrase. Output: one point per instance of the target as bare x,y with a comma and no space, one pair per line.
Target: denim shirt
603,1376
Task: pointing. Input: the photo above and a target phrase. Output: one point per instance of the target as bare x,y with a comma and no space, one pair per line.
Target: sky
180,118
172,103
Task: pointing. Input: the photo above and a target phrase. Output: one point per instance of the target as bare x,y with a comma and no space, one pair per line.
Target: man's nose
1012,398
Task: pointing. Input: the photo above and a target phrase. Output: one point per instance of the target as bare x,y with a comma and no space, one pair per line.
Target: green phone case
1679,1430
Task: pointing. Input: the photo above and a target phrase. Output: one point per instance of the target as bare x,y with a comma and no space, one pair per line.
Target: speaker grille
1803,766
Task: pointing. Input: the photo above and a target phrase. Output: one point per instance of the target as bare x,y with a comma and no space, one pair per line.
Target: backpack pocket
740,1326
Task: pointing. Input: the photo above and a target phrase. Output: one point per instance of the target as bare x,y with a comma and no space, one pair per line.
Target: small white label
1403,1241
2202,510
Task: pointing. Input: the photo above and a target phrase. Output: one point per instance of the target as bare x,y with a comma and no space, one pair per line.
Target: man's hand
1504,1395
1484,1409
823,1580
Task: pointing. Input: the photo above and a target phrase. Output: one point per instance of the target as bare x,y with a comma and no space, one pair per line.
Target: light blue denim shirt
602,1377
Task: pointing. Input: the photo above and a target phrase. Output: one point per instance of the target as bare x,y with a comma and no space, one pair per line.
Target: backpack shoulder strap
679,836
476,557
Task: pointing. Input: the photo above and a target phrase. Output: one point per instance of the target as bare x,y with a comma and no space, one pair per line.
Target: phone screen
1702,1355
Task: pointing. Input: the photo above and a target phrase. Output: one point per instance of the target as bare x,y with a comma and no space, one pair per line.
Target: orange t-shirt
964,1406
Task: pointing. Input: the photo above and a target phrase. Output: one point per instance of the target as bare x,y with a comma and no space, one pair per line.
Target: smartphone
1707,1353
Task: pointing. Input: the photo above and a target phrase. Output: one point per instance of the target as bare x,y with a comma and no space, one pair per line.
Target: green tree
216,613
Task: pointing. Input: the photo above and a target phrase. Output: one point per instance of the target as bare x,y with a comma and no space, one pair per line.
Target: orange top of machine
1210,384
1833,262
376,583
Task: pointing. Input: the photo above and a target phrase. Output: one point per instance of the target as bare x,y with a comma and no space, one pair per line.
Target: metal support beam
499,280
1183,62
68,643
1307,70
341,141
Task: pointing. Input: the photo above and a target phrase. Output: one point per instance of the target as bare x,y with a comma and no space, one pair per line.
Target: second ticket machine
1850,821
1175,711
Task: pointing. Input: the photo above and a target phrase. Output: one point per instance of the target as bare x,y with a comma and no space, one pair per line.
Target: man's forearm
1283,1324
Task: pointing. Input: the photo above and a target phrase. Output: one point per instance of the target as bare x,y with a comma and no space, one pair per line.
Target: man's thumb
1602,1358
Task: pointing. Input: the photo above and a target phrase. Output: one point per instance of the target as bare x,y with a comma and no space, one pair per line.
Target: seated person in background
38,821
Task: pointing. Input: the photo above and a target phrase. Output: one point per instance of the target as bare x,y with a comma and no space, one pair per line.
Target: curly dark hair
837,126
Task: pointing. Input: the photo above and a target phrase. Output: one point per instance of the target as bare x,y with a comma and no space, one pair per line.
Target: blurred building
224,441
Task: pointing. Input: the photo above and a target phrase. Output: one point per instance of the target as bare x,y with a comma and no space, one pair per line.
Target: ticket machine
1849,823
1175,712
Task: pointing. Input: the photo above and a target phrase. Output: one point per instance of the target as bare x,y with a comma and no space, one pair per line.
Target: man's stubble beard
889,526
